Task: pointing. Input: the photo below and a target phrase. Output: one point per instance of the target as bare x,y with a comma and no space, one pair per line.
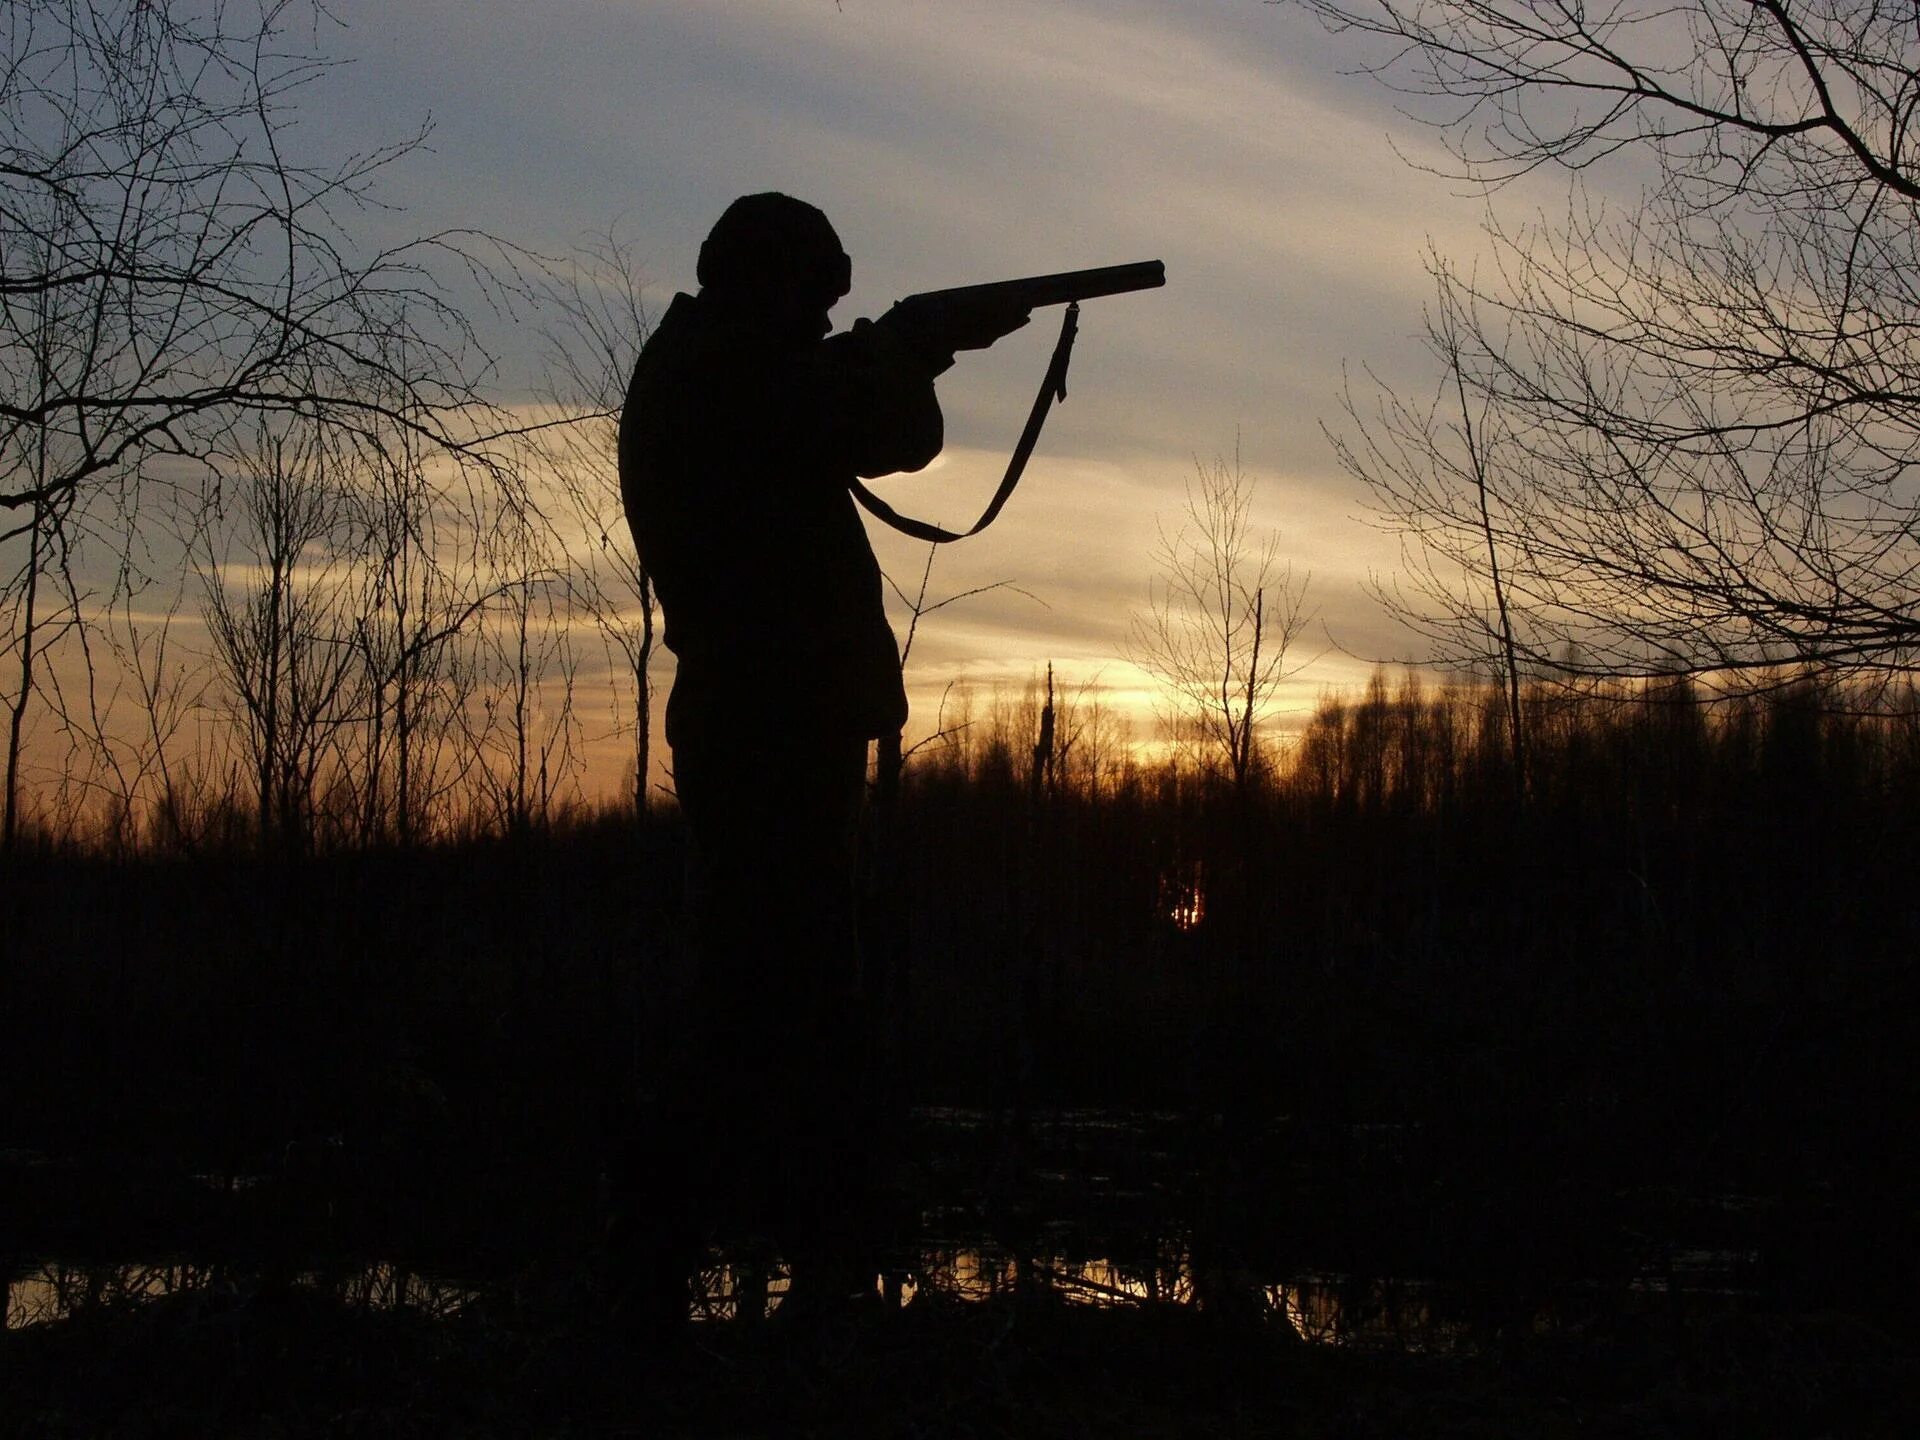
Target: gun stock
1034,291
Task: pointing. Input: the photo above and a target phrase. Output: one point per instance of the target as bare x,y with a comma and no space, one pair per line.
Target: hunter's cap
773,244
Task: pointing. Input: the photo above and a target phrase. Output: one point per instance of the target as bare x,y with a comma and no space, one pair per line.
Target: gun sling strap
1053,387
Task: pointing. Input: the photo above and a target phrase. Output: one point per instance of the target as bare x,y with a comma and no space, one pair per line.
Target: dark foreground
298,1365
1588,1111
1081,1273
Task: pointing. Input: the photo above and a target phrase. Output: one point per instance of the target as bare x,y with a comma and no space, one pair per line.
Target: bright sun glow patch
1183,896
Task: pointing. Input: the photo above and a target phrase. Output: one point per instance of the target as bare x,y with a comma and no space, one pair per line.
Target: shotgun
1037,290
972,317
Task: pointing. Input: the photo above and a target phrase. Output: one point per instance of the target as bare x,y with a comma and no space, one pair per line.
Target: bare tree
39,331
345,595
890,759
1223,616
1452,454
169,691
419,548
524,729
601,323
29,636
171,273
278,614
1701,412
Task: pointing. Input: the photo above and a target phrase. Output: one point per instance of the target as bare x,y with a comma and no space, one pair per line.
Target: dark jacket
735,457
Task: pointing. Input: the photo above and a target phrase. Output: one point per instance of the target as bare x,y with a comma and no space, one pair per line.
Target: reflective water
1100,1192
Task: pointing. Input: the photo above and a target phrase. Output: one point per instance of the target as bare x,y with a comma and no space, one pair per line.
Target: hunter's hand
960,325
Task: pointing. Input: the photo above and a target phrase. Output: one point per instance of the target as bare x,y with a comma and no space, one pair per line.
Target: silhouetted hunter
746,428
744,424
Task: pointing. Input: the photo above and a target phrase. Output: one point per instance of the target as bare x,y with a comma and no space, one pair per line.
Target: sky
974,140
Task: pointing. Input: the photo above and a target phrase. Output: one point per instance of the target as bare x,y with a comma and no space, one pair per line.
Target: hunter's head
778,260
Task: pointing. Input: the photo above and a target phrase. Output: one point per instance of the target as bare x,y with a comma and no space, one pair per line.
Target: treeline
1728,854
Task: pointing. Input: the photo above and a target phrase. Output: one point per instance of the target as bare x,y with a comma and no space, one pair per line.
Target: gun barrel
1036,290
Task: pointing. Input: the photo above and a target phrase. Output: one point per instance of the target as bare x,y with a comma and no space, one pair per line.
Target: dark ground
1591,1118
280,1327
299,1366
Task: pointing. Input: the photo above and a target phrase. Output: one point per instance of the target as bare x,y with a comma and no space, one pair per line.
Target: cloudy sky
972,140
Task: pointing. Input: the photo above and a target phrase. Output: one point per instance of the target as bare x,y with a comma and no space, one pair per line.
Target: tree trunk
28,620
